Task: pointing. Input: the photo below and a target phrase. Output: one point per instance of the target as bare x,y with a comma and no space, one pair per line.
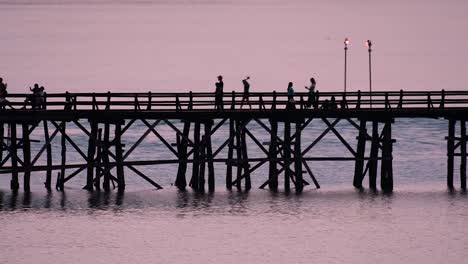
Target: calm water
182,45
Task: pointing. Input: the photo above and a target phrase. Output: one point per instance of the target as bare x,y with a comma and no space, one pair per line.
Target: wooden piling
92,141
119,157
48,181
373,156
298,159
245,157
201,173
361,148
64,149
240,161
26,158
450,152
463,155
97,180
2,134
181,182
105,157
209,157
386,180
287,155
196,157
272,156
14,184
230,154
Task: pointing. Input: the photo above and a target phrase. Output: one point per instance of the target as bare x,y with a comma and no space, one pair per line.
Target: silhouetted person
311,97
219,93
3,94
291,102
41,97
33,99
246,95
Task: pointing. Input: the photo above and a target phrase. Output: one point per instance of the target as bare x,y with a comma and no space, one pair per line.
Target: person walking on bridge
219,93
291,103
311,95
246,94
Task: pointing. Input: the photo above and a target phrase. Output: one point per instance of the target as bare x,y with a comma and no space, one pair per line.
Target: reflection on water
413,225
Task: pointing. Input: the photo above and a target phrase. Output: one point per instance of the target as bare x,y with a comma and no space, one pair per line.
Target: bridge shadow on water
220,202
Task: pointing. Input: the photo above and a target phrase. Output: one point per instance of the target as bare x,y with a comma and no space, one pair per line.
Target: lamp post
346,43
369,48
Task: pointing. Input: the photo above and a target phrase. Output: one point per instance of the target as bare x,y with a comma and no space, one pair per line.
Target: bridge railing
237,100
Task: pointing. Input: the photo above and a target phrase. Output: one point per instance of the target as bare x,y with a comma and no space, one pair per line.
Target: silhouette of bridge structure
105,118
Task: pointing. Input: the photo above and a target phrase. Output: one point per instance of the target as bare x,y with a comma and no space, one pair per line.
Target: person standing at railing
41,97
219,93
246,94
3,94
33,99
291,103
311,95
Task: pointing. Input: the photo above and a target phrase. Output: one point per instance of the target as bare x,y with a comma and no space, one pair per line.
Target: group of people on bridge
312,97
36,99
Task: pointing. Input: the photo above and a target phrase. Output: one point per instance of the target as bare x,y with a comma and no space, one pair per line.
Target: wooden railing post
190,106
387,102
178,108
108,100
442,99
233,102
317,98
400,102
273,106
150,99
358,102
94,102
67,101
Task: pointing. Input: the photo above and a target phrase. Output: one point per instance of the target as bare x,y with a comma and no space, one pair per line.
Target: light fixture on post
369,48
346,43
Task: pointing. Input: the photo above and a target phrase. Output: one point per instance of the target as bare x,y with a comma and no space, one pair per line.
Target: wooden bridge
105,118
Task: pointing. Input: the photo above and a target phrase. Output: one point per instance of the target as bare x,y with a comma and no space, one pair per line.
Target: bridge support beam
26,158
386,180
463,155
374,152
361,147
299,181
450,152
181,181
48,182
272,156
230,154
14,184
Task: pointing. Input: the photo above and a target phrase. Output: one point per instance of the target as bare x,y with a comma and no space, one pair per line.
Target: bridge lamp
369,49
346,44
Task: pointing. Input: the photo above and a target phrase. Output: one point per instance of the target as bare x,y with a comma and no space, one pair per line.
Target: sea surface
156,45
